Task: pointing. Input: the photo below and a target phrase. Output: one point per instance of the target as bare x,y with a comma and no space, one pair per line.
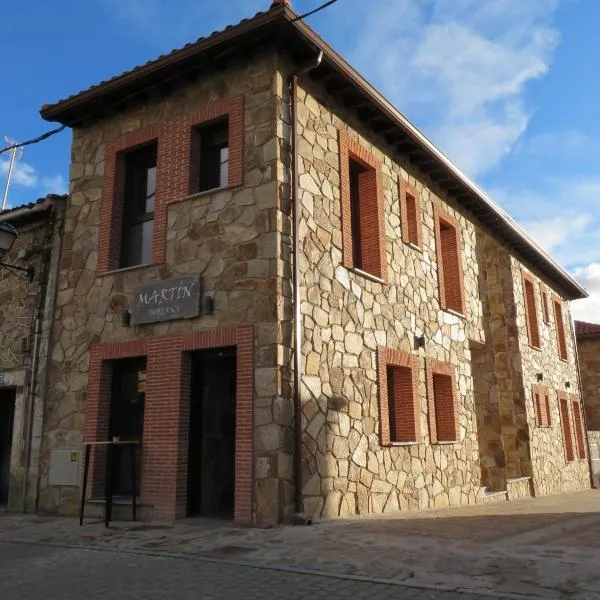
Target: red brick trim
545,305
541,405
408,422
450,271
531,314
374,247
174,173
579,428
166,414
566,426
443,409
410,213
559,323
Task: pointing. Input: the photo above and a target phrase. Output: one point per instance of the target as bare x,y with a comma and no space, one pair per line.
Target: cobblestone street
30,572
546,548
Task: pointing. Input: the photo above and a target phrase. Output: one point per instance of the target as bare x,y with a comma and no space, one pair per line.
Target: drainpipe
296,214
581,398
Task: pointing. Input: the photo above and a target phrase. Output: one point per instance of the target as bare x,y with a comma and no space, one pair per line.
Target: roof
31,210
341,80
586,330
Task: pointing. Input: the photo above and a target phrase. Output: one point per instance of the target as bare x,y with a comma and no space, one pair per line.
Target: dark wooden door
7,411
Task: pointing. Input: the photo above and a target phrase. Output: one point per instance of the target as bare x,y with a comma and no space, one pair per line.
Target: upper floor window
560,330
138,206
450,275
211,155
362,209
545,306
531,315
442,402
410,211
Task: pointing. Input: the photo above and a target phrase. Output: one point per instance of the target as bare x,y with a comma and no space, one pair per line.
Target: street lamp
8,235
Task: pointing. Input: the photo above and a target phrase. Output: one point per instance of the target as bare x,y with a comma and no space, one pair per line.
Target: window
533,328
410,209
138,206
362,209
579,429
210,156
560,330
545,307
450,276
398,400
567,430
442,402
541,404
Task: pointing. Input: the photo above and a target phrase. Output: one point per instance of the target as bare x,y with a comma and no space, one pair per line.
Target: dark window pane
355,217
137,244
147,231
214,155
150,189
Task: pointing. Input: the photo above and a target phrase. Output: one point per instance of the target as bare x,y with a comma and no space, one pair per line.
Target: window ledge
414,246
446,443
203,193
366,275
404,443
538,348
451,311
126,269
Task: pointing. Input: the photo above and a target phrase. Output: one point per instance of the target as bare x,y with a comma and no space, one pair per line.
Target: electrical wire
312,12
40,138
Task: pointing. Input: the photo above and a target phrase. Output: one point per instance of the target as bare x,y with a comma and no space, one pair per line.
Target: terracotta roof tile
583,329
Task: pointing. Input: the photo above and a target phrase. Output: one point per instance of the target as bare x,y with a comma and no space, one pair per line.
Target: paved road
33,571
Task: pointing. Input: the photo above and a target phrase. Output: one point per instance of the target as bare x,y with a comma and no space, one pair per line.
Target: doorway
211,450
7,412
127,421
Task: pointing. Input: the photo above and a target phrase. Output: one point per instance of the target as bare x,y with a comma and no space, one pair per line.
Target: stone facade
239,239
23,358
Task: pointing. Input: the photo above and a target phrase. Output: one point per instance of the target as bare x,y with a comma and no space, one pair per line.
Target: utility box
65,467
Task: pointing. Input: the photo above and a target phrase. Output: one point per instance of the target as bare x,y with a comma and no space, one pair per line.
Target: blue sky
505,88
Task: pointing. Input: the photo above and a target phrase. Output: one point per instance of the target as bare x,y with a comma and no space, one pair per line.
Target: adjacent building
27,292
295,302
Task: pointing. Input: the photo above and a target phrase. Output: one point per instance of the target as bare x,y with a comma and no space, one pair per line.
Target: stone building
250,194
27,291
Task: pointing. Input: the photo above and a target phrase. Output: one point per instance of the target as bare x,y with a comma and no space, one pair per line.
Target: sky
505,88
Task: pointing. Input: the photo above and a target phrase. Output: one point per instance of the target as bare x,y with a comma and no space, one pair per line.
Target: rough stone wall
347,316
589,363
594,449
551,472
231,237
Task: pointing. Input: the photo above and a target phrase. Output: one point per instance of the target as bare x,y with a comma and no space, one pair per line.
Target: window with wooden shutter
541,405
410,214
545,306
531,316
363,231
560,329
579,428
567,429
449,257
442,402
398,398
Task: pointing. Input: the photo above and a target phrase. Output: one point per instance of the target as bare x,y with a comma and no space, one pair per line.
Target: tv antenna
15,154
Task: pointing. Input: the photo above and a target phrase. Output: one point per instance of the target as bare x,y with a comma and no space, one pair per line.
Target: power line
40,138
312,12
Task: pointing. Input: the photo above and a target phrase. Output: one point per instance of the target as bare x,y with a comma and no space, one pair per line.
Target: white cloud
23,174
461,68
26,176
54,185
589,308
560,143
555,231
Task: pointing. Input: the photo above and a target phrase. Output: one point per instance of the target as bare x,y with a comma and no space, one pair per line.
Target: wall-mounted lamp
208,305
8,235
567,384
539,376
419,341
126,318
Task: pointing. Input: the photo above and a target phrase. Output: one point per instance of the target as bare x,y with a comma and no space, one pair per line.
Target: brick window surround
166,414
175,176
448,243
561,339
372,224
410,213
545,305
442,401
531,312
541,405
399,415
579,427
566,425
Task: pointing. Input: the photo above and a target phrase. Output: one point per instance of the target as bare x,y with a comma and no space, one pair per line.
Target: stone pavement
538,548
